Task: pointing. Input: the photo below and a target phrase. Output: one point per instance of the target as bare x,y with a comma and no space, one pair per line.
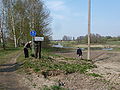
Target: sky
70,17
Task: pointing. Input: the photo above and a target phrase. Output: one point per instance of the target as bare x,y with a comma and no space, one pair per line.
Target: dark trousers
79,54
36,52
26,53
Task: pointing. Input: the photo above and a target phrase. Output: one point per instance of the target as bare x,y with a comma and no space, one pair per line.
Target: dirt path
9,79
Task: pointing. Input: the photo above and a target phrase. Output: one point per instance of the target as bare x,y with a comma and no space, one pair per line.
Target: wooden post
39,41
33,46
89,20
39,49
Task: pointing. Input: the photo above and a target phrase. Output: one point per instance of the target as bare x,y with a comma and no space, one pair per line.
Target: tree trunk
13,25
14,33
2,33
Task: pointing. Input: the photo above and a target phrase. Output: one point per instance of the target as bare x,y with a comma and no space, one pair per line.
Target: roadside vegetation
6,55
50,64
54,88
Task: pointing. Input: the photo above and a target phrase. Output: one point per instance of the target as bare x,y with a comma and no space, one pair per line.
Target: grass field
7,54
60,62
113,43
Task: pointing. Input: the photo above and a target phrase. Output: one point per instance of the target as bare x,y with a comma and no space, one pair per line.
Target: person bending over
27,45
79,52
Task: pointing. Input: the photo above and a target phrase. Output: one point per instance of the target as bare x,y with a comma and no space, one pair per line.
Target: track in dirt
9,79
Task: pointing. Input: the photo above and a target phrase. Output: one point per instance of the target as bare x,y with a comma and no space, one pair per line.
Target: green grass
48,64
21,58
55,55
8,51
54,87
52,49
66,58
6,55
113,43
94,74
65,43
116,49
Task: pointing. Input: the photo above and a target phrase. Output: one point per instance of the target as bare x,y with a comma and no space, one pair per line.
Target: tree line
95,38
19,17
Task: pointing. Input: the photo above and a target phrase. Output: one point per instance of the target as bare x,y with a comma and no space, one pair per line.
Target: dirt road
9,79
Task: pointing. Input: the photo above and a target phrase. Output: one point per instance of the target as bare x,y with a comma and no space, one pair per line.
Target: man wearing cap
27,45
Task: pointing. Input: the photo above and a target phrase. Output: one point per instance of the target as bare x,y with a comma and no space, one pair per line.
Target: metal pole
33,27
39,49
89,20
33,49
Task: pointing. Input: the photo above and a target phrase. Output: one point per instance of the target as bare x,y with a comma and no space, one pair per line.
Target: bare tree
24,16
2,29
66,38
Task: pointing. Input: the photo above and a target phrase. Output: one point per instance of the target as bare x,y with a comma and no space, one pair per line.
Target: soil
108,66
9,79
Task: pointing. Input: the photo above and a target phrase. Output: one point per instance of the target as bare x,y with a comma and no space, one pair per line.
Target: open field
63,67
108,66
84,45
106,76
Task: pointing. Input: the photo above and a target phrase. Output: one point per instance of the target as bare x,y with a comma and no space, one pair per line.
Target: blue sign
33,33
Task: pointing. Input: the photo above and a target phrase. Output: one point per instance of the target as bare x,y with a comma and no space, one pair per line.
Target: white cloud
58,8
56,5
58,16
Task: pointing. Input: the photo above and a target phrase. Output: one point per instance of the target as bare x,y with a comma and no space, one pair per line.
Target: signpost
39,40
33,34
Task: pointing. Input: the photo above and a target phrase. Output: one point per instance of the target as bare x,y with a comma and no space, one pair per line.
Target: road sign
33,33
39,38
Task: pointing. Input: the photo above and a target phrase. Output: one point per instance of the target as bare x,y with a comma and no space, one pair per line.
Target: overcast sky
70,17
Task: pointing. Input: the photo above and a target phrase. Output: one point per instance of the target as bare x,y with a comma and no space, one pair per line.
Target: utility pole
89,20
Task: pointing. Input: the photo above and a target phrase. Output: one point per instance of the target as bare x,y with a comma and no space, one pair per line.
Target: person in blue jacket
79,52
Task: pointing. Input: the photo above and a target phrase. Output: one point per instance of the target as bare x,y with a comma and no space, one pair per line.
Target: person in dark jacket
79,52
27,45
